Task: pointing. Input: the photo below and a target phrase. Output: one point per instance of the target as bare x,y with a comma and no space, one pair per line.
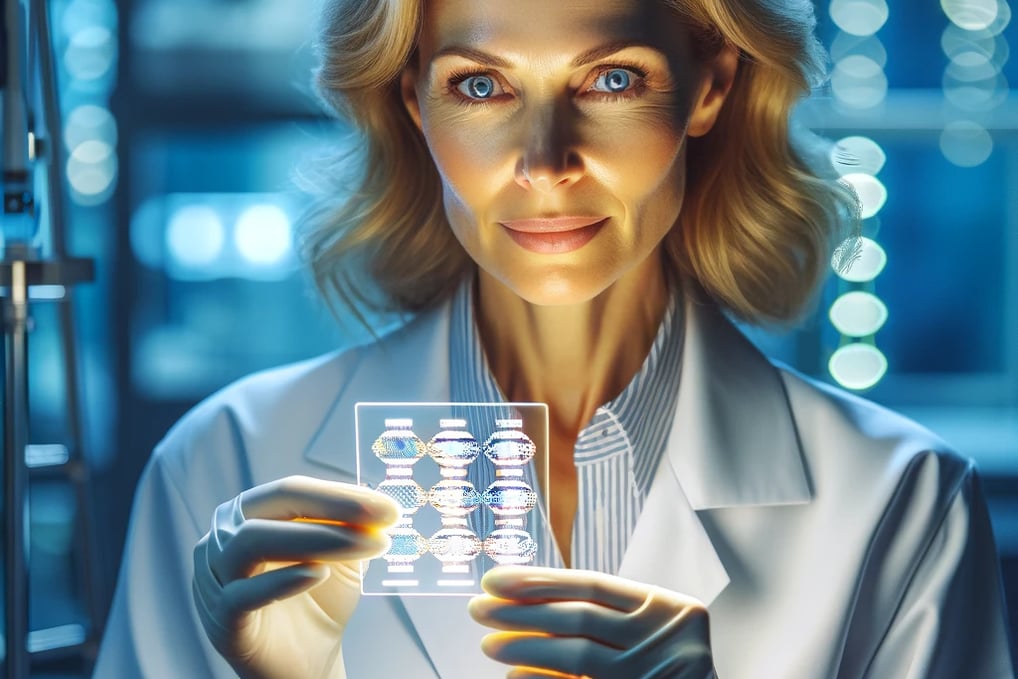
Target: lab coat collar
733,440
733,443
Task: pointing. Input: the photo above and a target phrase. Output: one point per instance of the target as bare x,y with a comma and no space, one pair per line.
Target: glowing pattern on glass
407,546
398,445
407,492
454,497
399,448
510,546
509,497
509,446
454,448
454,546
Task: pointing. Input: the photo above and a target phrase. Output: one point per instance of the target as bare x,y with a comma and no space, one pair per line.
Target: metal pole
15,472
19,227
41,21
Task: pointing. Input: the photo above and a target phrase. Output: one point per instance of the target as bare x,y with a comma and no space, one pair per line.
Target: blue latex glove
559,622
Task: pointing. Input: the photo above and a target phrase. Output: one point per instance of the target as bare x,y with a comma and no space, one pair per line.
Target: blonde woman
568,196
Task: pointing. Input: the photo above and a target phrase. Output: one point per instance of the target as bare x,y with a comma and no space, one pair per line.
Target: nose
549,158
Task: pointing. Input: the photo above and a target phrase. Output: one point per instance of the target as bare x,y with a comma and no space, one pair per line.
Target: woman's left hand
559,622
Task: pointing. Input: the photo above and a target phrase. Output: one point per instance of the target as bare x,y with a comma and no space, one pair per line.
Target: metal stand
15,440
23,268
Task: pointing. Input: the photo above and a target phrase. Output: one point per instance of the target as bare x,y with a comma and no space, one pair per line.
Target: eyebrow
584,58
608,49
473,54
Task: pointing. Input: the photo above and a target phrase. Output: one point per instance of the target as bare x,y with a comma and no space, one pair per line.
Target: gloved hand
590,624
276,578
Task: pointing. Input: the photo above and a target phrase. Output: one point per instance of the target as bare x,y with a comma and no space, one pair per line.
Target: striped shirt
616,453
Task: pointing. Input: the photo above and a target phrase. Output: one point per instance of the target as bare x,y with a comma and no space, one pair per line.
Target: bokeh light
858,154
868,262
80,14
976,90
955,41
971,15
859,17
195,235
869,46
858,314
871,192
966,143
263,234
90,53
89,122
858,366
859,82
91,171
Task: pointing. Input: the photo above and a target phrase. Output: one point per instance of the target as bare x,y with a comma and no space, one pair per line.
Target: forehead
533,26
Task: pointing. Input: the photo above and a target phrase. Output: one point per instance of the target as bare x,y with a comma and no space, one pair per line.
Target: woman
568,195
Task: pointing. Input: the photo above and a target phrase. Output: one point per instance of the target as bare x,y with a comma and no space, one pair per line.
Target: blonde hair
760,218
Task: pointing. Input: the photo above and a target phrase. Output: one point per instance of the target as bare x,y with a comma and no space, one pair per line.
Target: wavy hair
763,209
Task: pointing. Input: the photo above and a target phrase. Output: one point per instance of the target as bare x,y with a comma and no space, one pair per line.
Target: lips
551,224
553,235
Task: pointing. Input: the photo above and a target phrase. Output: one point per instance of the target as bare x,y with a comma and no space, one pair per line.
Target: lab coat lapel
732,443
733,440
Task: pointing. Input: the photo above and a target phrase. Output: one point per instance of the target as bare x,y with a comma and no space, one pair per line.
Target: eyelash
637,88
456,78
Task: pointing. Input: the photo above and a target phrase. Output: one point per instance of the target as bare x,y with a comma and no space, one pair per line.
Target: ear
716,79
408,92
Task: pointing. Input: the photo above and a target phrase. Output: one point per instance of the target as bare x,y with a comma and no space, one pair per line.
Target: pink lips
553,235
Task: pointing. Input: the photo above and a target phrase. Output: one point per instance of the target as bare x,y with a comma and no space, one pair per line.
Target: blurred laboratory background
184,121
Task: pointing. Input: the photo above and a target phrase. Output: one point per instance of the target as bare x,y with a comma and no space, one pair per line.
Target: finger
531,583
222,610
248,594
296,497
207,586
559,618
566,655
258,540
537,673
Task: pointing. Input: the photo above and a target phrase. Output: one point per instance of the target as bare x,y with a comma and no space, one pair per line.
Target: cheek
469,158
640,161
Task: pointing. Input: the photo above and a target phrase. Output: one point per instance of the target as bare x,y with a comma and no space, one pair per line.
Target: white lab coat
828,536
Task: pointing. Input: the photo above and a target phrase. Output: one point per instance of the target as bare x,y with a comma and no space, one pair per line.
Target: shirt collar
646,406
643,410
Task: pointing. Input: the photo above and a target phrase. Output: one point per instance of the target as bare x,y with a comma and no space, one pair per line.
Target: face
559,130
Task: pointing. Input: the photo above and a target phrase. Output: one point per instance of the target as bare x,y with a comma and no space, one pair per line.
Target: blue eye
477,87
615,81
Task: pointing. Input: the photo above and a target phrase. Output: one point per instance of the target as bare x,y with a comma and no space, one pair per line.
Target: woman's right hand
277,577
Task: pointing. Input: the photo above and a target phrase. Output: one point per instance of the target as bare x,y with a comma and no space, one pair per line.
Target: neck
574,358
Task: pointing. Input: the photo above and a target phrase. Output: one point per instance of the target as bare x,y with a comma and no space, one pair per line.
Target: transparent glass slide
471,480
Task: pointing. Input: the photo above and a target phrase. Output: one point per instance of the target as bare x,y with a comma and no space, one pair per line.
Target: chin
556,289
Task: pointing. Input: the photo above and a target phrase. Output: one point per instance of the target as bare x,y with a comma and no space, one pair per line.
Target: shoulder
856,448
281,409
